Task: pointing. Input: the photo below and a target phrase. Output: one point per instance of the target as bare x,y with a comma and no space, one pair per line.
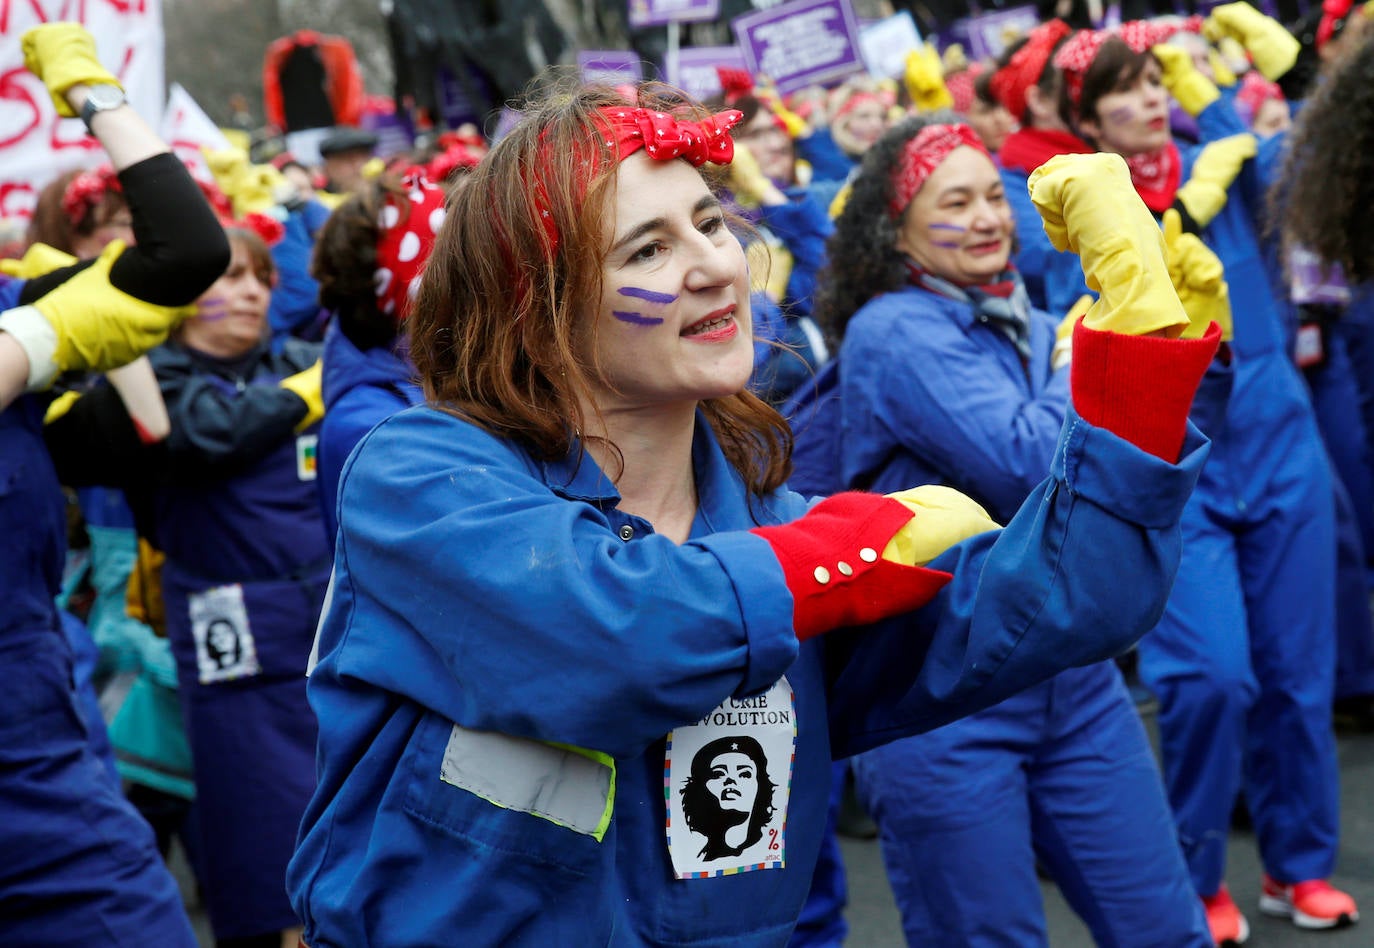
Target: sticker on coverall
726,781
224,641
307,457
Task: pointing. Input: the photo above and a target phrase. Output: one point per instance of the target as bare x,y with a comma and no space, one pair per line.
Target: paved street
874,922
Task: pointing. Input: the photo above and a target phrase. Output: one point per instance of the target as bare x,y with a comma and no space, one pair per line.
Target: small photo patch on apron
224,641
307,456
727,780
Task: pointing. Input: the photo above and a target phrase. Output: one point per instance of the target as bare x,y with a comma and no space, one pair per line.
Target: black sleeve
41,286
95,443
181,248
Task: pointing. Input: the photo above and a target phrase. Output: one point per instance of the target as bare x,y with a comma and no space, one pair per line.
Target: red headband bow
1334,13
85,192
626,129
1024,69
961,87
406,228
853,101
922,155
665,137
1254,91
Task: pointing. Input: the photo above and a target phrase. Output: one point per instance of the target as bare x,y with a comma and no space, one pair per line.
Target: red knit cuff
832,562
1139,387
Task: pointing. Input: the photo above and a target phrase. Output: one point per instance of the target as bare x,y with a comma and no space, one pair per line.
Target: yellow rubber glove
37,260
1198,278
1222,74
925,79
1273,49
252,188
1062,353
308,384
837,204
943,518
1203,195
794,123
63,55
953,59
1192,89
59,406
746,179
1090,207
87,325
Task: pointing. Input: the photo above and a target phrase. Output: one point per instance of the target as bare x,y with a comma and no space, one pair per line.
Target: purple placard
801,43
611,66
696,69
456,96
506,120
661,12
988,32
394,133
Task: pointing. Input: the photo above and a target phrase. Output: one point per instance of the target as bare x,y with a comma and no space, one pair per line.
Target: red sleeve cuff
1139,387
832,562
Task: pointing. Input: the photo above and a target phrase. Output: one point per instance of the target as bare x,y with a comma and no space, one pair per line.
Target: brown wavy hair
500,329
1323,198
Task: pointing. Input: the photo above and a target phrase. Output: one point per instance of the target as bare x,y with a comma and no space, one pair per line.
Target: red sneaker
1310,904
1229,928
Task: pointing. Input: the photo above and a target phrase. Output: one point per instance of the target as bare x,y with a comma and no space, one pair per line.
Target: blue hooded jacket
361,388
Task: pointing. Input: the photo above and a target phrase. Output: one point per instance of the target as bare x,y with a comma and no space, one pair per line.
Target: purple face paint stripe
637,319
647,295
948,246
954,227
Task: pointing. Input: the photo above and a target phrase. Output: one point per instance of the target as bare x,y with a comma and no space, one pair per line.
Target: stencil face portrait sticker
224,642
727,783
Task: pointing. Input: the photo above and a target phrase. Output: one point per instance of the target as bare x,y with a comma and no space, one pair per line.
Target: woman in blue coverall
1243,661
367,261
945,376
80,866
230,498
576,566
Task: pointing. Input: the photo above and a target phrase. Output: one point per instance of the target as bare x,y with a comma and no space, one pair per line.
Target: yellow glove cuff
37,260
943,518
1202,200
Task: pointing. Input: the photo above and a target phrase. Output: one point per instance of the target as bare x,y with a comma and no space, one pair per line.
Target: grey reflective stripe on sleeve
559,784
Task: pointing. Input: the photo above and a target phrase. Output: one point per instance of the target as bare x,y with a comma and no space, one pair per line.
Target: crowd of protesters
533,541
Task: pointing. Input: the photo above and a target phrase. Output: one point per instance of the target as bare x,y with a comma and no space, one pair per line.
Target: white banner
36,145
187,129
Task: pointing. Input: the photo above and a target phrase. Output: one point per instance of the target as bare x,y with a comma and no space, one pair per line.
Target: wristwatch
101,98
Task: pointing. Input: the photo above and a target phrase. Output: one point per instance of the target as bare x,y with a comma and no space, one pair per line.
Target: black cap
346,138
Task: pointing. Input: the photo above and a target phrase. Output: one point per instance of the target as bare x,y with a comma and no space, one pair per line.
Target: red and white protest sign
36,145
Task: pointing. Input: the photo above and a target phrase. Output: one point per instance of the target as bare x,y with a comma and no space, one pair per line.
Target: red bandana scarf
1156,177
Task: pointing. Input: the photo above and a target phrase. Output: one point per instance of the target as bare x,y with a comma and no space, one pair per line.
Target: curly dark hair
864,261
1324,195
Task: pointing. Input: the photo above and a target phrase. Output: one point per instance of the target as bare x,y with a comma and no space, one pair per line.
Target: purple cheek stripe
211,310
637,319
646,295
1121,114
954,227
941,243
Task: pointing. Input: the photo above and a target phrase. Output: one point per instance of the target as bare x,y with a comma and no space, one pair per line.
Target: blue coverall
501,597
1243,660
930,393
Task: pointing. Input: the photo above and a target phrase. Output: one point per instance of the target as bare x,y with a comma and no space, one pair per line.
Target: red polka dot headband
1076,57
406,228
